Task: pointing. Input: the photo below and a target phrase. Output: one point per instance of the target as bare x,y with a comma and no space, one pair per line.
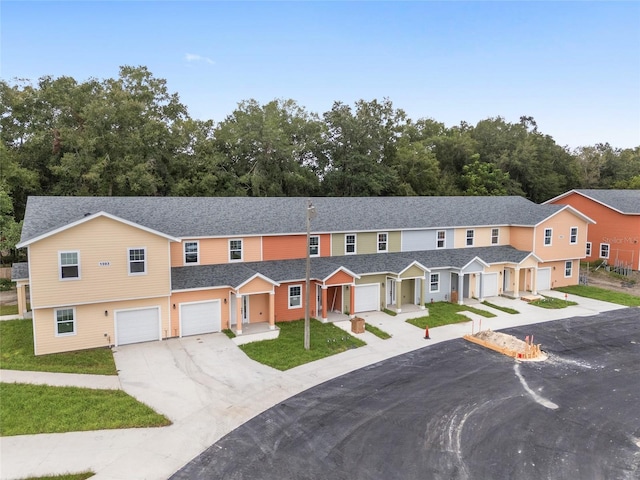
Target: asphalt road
457,411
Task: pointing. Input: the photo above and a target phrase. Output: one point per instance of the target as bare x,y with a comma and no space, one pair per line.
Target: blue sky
573,66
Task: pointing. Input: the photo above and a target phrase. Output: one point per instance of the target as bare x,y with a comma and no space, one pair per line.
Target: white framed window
548,235
235,250
383,244
295,296
568,268
350,243
434,282
470,235
69,265
137,261
441,237
65,319
573,235
495,236
604,250
191,252
588,249
314,246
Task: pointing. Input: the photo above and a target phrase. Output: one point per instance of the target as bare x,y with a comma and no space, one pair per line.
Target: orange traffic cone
426,333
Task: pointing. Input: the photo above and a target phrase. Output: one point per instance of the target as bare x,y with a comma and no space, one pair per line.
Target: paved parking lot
458,411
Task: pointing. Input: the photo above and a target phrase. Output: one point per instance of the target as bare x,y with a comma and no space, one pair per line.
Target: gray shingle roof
234,274
236,216
20,271
625,201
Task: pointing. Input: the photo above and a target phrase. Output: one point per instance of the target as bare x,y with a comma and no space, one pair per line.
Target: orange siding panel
339,278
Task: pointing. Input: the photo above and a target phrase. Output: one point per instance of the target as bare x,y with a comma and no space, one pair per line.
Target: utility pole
311,213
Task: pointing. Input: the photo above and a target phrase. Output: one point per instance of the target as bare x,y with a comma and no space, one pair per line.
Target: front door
391,291
245,309
318,301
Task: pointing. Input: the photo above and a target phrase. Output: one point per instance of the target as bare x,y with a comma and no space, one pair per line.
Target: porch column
421,296
272,310
352,300
481,287
534,281
461,288
399,295
516,282
324,303
238,314
21,291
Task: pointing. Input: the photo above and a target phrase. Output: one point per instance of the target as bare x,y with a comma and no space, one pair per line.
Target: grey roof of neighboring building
19,271
237,216
234,274
624,201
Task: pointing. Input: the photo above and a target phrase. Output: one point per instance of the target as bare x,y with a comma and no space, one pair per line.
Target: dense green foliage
131,136
16,353
32,409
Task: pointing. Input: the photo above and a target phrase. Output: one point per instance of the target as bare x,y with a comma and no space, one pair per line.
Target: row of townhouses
106,271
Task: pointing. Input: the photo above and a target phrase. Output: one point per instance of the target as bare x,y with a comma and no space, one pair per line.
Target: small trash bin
357,325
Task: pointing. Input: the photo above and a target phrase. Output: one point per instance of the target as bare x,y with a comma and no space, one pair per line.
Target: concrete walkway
207,386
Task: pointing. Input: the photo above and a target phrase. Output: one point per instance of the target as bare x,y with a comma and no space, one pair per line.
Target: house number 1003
104,264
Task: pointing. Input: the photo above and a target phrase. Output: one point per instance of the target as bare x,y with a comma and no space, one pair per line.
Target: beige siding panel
408,291
99,240
529,263
367,243
91,325
560,247
395,241
222,294
365,279
337,244
413,272
481,237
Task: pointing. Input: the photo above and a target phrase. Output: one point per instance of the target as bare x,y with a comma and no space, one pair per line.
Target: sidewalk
208,387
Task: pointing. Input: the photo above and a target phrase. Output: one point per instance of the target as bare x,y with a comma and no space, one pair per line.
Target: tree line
131,136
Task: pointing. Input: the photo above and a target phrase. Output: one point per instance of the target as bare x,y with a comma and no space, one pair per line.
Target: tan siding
365,279
337,244
395,241
367,242
99,240
91,325
413,272
408,288
481,237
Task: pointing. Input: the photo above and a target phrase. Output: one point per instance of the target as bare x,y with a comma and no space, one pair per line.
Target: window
314,246
434,282
568,265
588,250
548,232
190,252
69,265
440,238
65,321
604,250
137,261
295,296
470,234
495,235
382,242
349,244
573,235
235,250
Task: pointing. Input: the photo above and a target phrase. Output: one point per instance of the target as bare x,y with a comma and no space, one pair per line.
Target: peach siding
98,240
221,294
621,232
338,278
521,238
257,285
292,246
91,325
216,250
557,273
259,308
560,247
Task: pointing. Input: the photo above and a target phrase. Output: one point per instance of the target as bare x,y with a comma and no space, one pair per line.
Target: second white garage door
199,318
367,298
490,284
544,279
134,326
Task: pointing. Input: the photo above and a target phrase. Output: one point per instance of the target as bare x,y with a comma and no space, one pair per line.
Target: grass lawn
498,307
66,476
552,303
445,313
16,353
8,310
376,331
287,351
602,294
30,409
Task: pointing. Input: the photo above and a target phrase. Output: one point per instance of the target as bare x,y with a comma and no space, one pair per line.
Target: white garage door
490,284
367,298
199,318
544,279
134,326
